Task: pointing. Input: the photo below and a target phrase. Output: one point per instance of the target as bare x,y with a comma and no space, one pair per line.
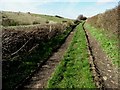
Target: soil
108,73
39,80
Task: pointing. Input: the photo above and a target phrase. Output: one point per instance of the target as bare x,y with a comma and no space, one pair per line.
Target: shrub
29,13
107,21
14,37
9,22
69,23
35,22
47,22
58,16
81,17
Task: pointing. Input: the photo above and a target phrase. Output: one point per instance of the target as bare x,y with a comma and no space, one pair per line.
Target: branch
20,48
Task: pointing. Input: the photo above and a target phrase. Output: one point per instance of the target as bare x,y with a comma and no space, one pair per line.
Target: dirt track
106,71
105,74
39,80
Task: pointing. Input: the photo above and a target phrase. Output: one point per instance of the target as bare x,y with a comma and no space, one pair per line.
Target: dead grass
107,21
107,31
20,18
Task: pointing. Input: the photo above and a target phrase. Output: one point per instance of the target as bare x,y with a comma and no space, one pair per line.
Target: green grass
51,18
109,44
73,70
19,18
16,18
14,71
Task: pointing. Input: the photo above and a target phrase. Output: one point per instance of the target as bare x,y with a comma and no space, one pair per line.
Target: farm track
105,74
40,78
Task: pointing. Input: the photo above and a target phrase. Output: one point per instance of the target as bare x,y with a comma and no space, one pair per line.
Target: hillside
20,18
107,20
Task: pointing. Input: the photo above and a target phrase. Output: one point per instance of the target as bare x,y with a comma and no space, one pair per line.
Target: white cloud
55,1
34,7
26,0
22,5
19,6
99,2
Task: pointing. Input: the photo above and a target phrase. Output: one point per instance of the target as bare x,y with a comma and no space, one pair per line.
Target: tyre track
95,72
105,74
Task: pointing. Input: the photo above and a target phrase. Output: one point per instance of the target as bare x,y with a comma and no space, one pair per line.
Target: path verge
103,65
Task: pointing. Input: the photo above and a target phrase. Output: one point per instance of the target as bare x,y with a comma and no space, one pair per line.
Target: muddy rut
105,74
39,80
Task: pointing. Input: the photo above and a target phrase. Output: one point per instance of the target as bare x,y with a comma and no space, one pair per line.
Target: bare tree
79,17
28,12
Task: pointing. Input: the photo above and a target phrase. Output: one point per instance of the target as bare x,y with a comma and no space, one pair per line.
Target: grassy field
52,18
73,71
109,43
19,18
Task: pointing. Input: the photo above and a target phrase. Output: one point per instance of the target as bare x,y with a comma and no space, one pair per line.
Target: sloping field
19,18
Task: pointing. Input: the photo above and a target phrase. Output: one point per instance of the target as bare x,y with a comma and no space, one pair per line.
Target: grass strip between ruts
74,71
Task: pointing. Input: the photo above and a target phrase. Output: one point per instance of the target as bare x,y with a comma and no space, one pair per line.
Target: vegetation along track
14,67
40,77
104,73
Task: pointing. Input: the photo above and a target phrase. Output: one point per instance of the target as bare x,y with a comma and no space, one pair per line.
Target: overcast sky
65,8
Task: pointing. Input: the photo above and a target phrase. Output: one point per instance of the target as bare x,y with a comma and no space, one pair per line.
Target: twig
20,48
33,48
